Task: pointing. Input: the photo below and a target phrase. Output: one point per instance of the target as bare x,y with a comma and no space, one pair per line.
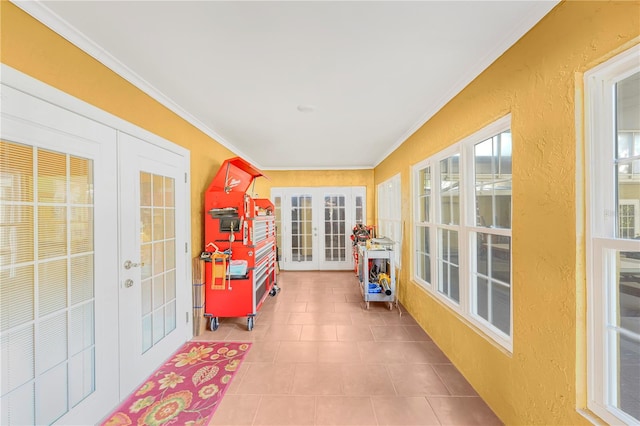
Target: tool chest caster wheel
214,323
250,323
274,290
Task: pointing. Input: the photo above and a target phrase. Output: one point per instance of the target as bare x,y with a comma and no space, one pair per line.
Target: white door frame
14,79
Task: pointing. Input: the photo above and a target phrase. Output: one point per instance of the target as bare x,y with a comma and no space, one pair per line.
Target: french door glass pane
158,257
277,203
46,255
359,203
334,228
301,228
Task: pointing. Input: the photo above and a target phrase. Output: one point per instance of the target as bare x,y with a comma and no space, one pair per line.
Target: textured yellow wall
538,81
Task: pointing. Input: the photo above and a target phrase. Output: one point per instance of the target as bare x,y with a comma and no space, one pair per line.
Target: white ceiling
370,73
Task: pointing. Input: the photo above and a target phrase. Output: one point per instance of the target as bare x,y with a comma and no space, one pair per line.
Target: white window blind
47,283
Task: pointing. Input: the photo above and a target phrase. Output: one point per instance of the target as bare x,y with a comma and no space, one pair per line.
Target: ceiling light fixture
306,108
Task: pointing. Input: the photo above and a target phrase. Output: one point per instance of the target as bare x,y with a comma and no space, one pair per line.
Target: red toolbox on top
240,245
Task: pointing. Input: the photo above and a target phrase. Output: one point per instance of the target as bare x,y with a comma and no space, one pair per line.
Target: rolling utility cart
240,245
376,271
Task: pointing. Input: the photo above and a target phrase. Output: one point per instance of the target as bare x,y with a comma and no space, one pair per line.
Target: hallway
320,358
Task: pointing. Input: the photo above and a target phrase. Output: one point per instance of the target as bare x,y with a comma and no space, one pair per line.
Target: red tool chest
240,245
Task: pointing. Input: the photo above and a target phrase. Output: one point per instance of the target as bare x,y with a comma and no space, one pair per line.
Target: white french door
58,210
153,290
316,225
79,197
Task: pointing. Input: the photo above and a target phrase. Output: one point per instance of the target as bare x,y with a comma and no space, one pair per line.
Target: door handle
129,264
128,283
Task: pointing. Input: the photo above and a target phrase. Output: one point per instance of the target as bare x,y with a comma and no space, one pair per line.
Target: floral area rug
185,390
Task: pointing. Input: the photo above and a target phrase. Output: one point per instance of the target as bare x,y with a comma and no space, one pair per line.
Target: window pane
505,153
628,156
16,233
52,285
501,306
16,181
450,190
628,206
448,264
628,263
423,254
359,210
52,231
424,195
301,228
493,181
334,227
482,253
493,275
277,203
482,298
16,296
629,375
501,258
81,180
81,229
145,189
52,177
629,291
18,363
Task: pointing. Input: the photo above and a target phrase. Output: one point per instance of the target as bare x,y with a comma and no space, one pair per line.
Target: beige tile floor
320,358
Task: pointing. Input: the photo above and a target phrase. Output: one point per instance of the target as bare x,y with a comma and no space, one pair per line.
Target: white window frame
390,213
601,230
418,225
439,226
471,229
466,229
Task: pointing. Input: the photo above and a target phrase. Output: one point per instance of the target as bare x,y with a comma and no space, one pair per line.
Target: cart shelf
376,272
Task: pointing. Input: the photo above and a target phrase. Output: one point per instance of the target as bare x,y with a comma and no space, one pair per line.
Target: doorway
152,259
315,226
73,206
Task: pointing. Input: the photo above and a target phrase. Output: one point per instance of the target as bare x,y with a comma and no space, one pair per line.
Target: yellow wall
538,81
